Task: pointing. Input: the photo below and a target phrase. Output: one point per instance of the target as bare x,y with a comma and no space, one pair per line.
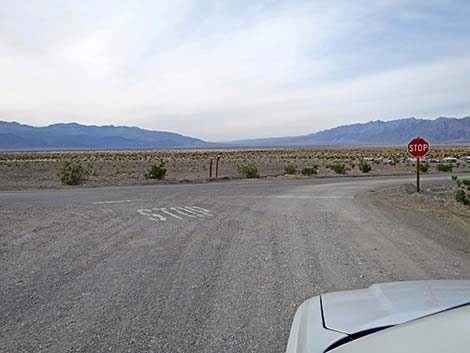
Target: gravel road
217,267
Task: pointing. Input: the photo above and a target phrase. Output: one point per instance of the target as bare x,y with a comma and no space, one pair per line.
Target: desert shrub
466,182
156,171
454,177
444,167
290,169
309,171
424,167
71,173
338,168
249,171
90,170
365,167
462,194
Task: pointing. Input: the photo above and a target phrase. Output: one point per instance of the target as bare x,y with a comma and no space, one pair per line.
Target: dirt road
203,268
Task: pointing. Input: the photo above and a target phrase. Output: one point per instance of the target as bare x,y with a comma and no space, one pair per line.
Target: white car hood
444,332
389,304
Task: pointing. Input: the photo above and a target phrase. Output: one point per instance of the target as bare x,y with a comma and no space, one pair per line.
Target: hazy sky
233,69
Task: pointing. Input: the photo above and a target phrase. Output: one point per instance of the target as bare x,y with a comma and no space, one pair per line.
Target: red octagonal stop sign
418,147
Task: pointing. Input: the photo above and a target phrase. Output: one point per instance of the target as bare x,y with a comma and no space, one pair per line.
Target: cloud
226,70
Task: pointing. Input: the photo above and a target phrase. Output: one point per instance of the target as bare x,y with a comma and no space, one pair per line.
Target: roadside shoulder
434,211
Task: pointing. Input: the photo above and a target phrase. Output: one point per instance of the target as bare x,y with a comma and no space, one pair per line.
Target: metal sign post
418,148
417,174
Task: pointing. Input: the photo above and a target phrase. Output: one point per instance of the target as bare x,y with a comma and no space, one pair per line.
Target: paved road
197,268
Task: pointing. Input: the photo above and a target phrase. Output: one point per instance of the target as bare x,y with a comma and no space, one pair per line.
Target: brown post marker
210,168
417,174
217,166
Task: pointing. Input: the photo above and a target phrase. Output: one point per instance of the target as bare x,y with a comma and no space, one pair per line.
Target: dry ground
26,170
434,211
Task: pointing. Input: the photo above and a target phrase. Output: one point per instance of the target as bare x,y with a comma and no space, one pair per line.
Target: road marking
286,197
178,212
178,209
200,210
187,209
116,201
153,216
167,212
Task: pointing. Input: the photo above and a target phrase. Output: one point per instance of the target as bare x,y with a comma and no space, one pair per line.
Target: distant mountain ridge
15,136
396,132
76,136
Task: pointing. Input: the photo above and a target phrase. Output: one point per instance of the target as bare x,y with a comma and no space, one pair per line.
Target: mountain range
15,136
395,132
75,136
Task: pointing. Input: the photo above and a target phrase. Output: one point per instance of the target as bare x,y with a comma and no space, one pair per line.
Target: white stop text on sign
418,148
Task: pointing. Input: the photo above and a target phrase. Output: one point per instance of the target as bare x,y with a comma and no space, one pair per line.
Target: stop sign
418,147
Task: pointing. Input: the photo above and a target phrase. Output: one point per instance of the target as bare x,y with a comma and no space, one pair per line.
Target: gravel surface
84,270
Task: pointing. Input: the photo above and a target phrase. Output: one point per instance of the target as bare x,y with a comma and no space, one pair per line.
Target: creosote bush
338,168
365,167
156,171
71,173
290,169
309,171
424,167
90,170
249,171
462,194
444,167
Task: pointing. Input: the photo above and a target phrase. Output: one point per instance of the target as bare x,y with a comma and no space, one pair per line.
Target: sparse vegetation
89,170
365,167
249,171
462,194
290,169
424,167
447,168
156,171
338,168
310,170
40,169
71,173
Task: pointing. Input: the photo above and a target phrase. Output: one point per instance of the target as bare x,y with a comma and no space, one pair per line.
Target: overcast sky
222,70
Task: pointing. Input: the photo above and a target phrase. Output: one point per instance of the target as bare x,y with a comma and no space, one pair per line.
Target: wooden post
210,169
417,174
217,166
